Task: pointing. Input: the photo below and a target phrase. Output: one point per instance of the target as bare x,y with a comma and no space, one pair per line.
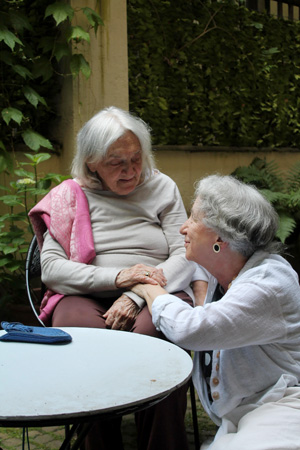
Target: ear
222,243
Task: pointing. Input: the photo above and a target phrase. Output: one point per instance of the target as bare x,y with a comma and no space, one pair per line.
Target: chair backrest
35,287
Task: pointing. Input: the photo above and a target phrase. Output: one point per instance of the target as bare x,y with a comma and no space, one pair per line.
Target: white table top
99,372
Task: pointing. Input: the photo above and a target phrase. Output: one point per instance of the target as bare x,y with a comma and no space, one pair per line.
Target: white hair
238,213
99,133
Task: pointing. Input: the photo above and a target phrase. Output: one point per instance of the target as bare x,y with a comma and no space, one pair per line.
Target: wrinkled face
120,171
199,239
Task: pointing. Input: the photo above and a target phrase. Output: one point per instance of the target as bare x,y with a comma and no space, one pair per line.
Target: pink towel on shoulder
64,211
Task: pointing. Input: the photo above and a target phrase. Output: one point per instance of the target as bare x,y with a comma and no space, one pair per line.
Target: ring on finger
147,274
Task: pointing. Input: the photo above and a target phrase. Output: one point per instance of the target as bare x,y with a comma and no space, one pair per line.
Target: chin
126,191
187,256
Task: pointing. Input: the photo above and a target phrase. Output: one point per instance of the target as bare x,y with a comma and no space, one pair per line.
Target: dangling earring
216,248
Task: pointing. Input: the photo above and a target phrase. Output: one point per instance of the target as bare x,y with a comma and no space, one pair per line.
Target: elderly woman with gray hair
246,337
116,224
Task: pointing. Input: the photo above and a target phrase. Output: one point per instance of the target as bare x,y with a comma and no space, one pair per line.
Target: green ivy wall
213,73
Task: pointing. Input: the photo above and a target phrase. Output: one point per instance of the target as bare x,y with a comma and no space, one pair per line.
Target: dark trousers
160,427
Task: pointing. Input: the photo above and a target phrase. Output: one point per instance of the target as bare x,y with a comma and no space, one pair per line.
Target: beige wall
187,167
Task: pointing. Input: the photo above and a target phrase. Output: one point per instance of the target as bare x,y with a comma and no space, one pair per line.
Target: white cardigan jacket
254,332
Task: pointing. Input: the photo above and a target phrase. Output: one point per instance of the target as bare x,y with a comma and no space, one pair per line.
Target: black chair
36,290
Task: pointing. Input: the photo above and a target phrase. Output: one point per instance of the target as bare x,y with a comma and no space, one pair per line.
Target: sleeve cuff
159,305
136,298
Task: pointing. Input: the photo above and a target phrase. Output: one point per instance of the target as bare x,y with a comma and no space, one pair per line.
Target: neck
228,268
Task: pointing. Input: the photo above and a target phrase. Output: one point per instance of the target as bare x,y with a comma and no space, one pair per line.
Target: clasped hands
122,314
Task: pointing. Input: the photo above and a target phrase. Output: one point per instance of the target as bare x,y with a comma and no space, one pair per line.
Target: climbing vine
214,73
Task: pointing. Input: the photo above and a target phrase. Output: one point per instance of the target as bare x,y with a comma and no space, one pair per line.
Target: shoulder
69,184
271,274
68,189
161,179
268,265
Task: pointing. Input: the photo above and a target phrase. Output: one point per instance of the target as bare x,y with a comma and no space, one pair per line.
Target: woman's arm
200,289
200,285
149,293
243,317
68,277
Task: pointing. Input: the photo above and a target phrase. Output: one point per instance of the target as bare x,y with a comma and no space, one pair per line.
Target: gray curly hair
238,213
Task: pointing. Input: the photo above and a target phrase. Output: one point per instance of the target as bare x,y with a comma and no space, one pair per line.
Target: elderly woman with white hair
116,224
246,337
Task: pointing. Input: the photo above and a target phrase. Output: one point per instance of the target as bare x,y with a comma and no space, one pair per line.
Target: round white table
101,373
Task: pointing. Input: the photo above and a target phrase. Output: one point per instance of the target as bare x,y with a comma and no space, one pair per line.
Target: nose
128,167
183,227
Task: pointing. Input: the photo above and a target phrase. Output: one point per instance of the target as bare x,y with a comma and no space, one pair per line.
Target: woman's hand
149,293
140,273
122,314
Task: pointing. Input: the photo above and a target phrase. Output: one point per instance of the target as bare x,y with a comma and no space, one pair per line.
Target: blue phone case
17,332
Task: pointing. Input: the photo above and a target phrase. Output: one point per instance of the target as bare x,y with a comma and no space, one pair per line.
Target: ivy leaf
46,43
22,71
33,97
93,18
60,12
10,113
271,51
9,38
61,50
42,68
19,21
77,64
78,34
163,104
257,25
6,57
35,140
